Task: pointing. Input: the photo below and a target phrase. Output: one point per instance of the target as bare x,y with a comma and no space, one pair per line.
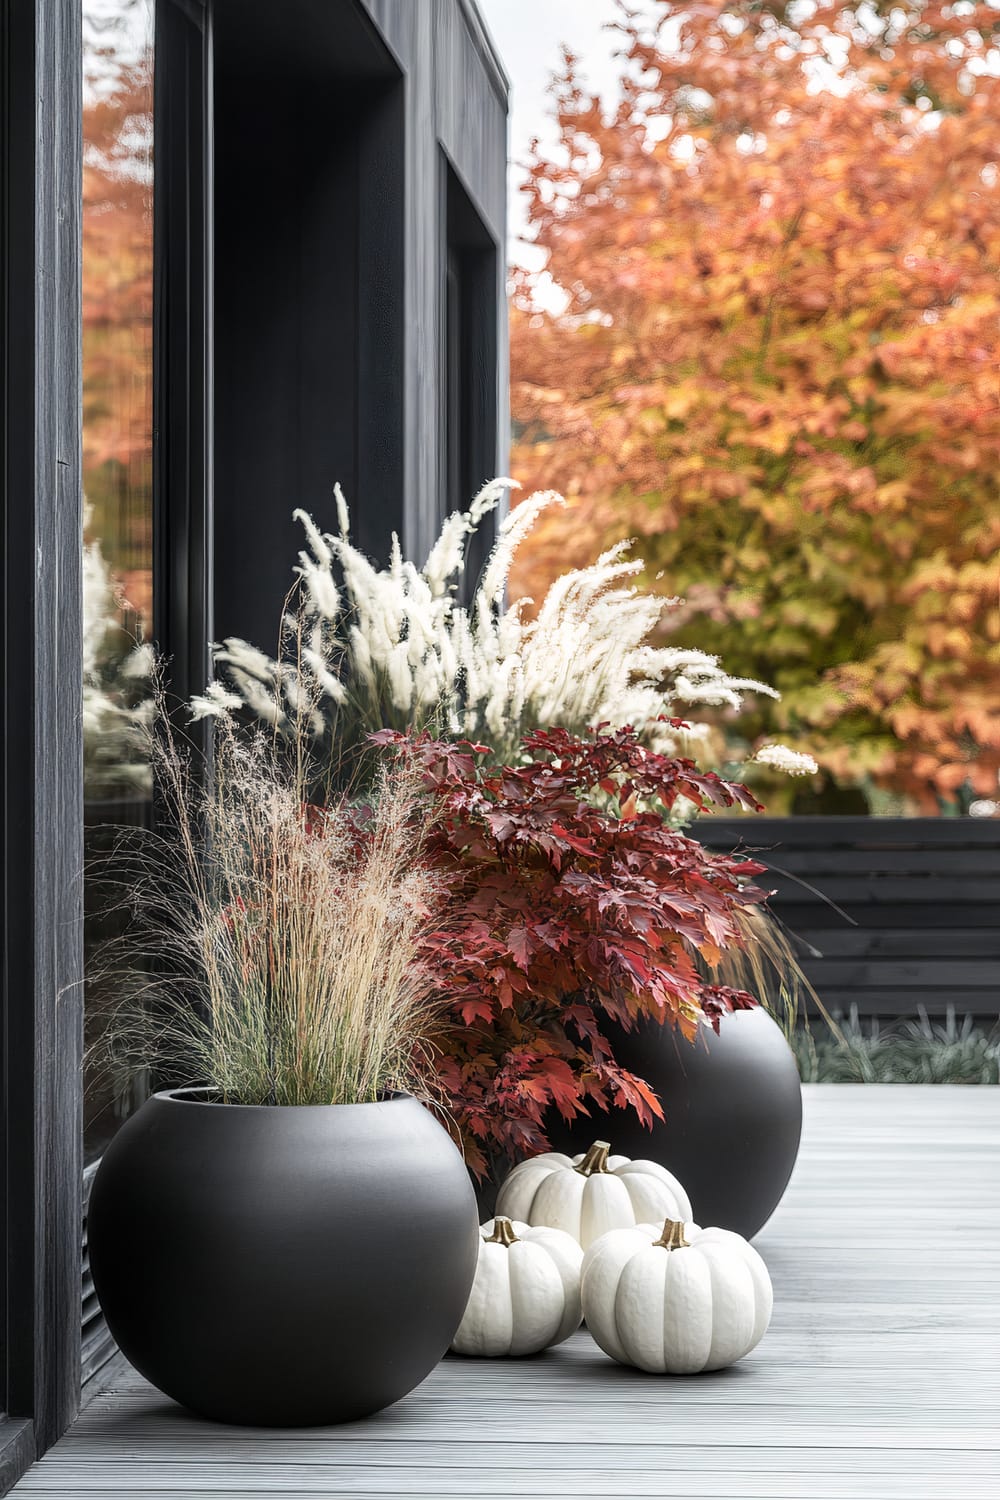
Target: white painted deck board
879,1378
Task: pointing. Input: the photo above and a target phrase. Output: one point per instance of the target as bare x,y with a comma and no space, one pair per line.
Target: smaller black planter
286,1266
733,1107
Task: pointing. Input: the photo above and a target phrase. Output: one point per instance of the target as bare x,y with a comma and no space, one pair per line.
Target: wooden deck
878,1380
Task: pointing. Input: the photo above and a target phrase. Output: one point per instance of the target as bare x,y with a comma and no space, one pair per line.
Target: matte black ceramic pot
733,1107
282,1266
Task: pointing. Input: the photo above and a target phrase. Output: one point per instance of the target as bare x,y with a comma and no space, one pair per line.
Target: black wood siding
456,102
337,130
923,893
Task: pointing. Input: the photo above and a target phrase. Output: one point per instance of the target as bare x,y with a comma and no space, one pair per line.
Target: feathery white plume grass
781,758
405,652
117,700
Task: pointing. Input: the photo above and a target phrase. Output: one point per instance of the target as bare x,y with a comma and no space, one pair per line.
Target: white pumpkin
675,1301
526,1292
588,1195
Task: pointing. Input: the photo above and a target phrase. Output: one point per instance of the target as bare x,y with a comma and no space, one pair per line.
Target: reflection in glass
117,471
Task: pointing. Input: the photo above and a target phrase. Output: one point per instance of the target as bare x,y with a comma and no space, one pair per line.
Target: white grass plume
396,647
117,701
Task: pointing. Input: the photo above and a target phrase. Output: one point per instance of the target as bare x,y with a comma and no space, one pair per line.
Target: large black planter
285,1266
733,1107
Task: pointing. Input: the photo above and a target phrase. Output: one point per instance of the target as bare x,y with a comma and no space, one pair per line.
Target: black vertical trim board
42,779
470,371
182,342
379,501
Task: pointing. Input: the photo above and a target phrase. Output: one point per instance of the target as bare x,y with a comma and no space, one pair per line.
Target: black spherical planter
282,1266
733,1107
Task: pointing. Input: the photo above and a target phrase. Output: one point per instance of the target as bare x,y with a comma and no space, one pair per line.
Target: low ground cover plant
955,1050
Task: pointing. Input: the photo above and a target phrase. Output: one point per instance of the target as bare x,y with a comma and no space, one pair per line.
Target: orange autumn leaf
777,365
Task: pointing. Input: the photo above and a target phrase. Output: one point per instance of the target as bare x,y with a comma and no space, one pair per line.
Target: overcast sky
529,35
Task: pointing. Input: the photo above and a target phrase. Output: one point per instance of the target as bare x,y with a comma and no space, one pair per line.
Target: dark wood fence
919,924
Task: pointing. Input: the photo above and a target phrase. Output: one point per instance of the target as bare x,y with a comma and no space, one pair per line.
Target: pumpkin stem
596,1159
503,1232
672,1237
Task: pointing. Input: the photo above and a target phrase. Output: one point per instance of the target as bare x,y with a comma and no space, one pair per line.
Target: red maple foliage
569,899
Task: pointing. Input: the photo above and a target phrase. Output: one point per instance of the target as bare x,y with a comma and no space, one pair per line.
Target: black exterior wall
338,131
415,91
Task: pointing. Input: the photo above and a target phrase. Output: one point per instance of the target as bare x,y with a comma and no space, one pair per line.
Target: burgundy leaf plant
569,900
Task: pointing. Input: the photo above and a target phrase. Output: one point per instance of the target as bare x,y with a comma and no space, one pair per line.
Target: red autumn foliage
569,900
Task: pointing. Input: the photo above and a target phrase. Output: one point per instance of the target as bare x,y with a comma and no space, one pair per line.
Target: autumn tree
776,363
117,289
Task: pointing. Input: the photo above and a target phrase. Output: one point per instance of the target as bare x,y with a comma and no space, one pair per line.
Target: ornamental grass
273,955
850,1049
396,647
